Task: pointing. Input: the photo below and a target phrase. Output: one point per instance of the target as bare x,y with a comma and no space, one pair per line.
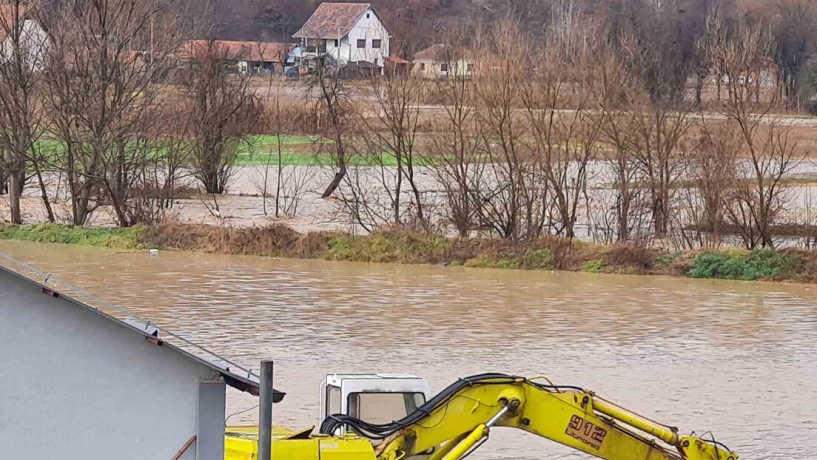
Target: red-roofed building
243,57
345,33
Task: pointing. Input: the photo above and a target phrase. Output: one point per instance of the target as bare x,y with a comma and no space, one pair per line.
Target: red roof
238,51
333,20
396,61
7,20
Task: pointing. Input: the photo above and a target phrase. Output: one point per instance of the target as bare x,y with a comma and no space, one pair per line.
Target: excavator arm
459,419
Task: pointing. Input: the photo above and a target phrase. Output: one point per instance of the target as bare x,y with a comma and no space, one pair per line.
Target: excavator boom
459,419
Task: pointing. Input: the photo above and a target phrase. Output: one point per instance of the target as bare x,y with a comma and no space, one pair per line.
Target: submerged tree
222,107
102,102
22,121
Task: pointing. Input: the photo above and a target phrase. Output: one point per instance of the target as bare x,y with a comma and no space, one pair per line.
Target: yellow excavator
359,423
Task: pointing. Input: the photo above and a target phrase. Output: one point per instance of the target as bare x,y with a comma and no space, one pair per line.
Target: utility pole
265,412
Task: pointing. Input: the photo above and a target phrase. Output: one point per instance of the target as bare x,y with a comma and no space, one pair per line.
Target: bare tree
391,137
614,94
22,122
511,200
223,112
168,162
101,97
558,101
657,146
760,193
279,123
334,100
713,175
456,165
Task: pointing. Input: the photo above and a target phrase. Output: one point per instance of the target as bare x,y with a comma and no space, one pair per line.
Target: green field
260,150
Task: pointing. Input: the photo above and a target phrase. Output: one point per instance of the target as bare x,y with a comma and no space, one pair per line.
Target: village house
33,37
241,57
762,82
346,34
442,61
79,383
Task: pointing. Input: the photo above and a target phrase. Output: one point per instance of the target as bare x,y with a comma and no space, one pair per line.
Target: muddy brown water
736,358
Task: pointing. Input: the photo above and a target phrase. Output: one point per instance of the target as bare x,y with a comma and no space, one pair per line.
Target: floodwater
739,359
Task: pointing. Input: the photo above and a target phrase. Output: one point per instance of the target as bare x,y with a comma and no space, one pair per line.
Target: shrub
666,259
741,265
492,262
120,238
593,266
340,248
538,259
629,256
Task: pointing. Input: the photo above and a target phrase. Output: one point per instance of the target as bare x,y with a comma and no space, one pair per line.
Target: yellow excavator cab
375,398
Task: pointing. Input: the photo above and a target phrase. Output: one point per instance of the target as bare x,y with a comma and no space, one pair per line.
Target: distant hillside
420,22
414,20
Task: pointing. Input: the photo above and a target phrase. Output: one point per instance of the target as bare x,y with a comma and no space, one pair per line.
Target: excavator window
383,407
333,400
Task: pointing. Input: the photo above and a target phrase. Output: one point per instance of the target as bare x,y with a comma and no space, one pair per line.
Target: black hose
382,431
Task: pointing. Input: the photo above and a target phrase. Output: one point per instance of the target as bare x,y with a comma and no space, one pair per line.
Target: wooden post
184,448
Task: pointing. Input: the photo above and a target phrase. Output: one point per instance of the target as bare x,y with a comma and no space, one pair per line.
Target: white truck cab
374,398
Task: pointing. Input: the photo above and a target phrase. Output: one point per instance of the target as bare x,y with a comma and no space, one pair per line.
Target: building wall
367,29
34,40
77,385
429,68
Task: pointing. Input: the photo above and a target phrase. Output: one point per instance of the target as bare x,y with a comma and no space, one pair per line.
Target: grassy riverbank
420,248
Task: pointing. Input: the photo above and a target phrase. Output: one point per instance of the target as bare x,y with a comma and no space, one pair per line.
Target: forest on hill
671,27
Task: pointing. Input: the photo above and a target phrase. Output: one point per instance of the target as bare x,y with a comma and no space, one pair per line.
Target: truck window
332,400
383,407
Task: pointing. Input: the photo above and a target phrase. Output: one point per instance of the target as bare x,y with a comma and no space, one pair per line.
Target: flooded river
737,358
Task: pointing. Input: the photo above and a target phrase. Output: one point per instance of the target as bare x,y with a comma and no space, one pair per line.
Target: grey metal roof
234,375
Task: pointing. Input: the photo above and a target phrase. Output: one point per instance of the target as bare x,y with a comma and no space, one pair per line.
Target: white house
348,33
33,38
77,383
442,61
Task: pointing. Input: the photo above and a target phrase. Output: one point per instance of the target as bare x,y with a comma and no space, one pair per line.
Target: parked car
291,72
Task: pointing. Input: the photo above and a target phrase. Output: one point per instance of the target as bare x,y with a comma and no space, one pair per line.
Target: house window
443,67
423,66
376,43
361,43
376,61
336,43
368,15
470,67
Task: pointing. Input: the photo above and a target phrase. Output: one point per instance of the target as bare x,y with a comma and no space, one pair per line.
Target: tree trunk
13,182
335,182
212,185
44,194
81,207
3,179
399,189
699,88
16,181
341,155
